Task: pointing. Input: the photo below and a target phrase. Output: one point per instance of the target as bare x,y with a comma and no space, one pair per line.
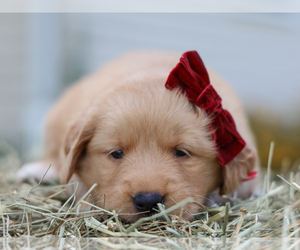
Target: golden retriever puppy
146,142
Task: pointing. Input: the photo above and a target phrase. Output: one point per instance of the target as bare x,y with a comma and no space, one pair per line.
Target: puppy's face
148,147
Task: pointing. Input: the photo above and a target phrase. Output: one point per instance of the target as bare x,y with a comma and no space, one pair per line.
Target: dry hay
43,209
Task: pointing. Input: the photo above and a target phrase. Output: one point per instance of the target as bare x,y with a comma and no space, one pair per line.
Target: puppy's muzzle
147,202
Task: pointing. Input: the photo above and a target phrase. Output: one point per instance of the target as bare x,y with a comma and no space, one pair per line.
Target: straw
39,210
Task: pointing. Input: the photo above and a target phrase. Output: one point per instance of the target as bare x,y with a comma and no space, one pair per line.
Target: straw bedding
40,209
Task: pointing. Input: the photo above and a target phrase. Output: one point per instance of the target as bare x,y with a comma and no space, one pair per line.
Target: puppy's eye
118,154
180,153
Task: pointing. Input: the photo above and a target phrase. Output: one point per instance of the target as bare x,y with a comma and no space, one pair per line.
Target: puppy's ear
76,143
238,169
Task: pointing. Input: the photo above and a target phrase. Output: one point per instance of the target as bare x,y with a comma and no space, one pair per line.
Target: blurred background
42,54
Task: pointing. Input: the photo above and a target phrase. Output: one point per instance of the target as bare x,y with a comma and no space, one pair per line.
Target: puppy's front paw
37,170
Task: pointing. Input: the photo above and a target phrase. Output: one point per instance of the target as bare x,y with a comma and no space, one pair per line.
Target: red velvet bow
191,76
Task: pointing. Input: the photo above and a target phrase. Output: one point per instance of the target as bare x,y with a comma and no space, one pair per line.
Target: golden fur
126,106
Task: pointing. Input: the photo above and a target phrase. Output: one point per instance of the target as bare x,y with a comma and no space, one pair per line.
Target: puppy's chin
128,213
188,213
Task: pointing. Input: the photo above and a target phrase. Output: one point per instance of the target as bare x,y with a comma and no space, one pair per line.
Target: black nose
146,202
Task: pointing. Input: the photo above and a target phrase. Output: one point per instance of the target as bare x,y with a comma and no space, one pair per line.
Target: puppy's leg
249,188
37,170
244,191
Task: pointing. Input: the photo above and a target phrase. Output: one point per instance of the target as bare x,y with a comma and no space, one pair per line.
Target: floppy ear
238,169
76,143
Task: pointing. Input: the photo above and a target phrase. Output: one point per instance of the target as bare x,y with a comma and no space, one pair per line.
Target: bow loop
190,75
187,75
210,101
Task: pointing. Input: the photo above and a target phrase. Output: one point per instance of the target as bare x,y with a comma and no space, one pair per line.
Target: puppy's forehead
136,115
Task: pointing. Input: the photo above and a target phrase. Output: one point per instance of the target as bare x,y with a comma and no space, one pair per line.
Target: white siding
29,74
13,75
257,53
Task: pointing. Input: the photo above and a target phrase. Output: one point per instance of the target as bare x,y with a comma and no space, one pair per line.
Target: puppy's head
147,145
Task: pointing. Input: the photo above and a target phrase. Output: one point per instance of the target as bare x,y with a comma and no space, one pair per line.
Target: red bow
191,76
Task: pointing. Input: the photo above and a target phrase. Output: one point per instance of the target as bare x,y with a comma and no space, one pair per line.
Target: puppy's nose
147,201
